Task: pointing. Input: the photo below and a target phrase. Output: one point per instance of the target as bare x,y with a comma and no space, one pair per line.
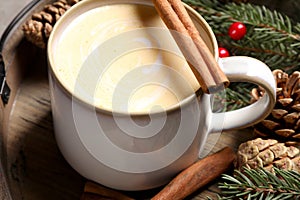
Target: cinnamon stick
203,64
90,196
93,190
197,175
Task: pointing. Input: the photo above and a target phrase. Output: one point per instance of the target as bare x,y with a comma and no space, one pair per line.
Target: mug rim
88,5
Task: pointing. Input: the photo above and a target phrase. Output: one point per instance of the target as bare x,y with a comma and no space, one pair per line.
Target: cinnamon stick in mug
203,64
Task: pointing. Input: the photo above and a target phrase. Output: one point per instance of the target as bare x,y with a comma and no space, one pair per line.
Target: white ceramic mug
125,150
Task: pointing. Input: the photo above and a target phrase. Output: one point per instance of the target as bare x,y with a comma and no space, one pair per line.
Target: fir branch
235,97
271,36
260,184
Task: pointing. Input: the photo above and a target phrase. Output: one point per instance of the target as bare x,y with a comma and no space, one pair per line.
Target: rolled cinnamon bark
197,175
203,64
91,190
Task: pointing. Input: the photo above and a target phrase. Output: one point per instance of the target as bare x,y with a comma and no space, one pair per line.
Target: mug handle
246,69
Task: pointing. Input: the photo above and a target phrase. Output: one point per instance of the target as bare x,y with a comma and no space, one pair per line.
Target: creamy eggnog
121,57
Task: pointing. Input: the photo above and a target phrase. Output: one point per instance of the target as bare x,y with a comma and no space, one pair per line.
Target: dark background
288,7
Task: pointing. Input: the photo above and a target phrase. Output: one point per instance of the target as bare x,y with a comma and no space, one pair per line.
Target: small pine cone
37,29
284,121
259,153
73,2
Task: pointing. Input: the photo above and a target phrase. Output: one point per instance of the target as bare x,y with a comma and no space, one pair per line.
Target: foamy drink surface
113,58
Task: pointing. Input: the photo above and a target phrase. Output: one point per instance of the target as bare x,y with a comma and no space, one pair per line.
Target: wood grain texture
35,166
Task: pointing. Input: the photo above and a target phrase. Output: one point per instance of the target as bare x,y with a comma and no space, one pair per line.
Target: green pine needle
256,184
272,37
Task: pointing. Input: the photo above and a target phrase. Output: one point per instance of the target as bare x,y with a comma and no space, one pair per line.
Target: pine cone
267,154
37,30
284,122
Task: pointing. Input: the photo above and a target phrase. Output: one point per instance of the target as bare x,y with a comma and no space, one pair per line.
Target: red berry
237,30
223,53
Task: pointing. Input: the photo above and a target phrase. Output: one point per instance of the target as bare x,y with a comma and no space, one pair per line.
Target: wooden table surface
35,167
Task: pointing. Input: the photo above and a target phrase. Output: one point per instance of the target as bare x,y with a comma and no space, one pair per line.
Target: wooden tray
31,161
